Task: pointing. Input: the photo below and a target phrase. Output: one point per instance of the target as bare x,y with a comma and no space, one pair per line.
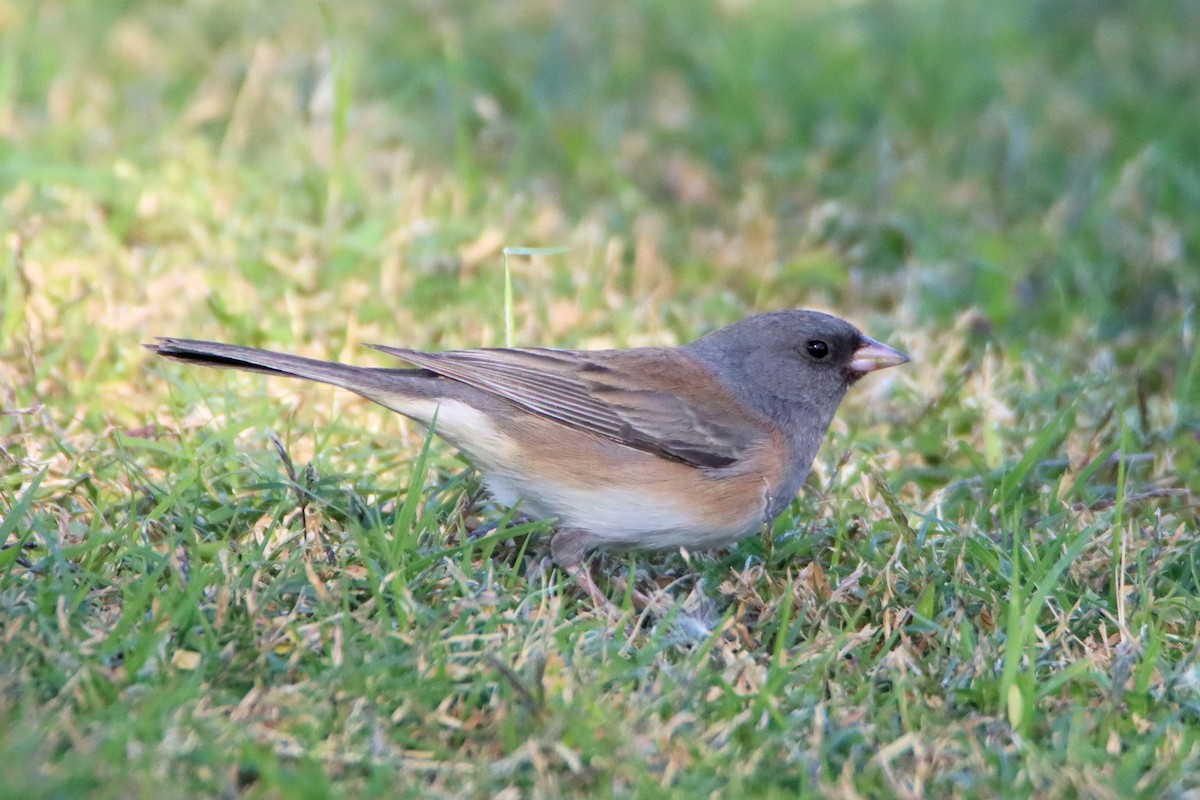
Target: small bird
647,448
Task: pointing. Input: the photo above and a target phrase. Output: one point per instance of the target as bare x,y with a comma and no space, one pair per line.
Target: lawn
224,585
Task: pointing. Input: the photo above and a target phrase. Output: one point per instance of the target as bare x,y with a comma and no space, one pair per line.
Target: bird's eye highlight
817,349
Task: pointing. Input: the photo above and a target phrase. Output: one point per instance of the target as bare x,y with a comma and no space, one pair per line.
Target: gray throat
805,428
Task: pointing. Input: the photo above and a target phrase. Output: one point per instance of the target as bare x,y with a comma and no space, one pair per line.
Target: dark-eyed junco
695,446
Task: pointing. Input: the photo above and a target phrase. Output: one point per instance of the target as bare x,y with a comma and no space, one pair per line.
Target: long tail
380,385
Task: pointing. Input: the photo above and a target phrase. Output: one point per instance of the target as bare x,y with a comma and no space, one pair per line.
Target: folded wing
643,399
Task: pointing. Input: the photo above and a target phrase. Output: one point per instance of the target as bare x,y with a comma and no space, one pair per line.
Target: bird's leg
568,547
641,601
584,578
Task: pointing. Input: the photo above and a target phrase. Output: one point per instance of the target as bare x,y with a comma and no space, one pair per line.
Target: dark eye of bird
817,349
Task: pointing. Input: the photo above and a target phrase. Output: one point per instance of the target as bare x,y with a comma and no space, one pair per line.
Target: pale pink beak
873,355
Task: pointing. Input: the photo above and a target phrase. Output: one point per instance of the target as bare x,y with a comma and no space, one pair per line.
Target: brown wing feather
630,396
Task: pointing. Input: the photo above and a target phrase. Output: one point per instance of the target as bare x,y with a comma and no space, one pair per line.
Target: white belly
619,516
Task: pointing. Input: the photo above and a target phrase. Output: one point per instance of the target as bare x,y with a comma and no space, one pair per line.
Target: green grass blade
14,517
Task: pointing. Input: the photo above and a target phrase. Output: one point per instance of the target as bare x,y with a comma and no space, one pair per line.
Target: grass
988,588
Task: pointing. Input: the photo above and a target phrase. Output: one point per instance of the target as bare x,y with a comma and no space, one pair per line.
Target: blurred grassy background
1035,161
1007,190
